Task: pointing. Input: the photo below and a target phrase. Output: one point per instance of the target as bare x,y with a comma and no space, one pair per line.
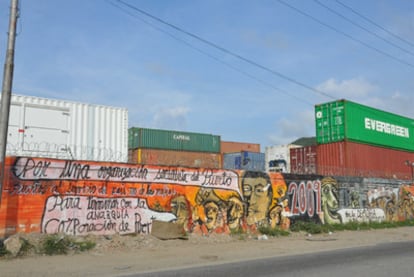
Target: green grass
315,228
85,245
273,232
309,227
59,245
56,245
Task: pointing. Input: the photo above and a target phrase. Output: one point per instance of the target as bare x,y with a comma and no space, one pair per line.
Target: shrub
3,250
60,244
56,245
315,228
85,245
26,247
273,232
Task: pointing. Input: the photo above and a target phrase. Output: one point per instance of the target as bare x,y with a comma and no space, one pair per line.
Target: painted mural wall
101,198
339,200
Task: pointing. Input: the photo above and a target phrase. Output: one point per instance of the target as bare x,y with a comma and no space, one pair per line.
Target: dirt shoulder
123,255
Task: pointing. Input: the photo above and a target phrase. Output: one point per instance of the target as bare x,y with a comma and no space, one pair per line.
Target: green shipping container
345,120
172,140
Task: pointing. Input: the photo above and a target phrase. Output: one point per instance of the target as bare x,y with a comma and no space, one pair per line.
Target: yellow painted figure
179,208
235,213
257,193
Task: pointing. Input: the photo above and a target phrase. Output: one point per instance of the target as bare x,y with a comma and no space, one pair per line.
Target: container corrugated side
244,160
346,120
172,140
303,160
65,129
347,158
174,158
232,147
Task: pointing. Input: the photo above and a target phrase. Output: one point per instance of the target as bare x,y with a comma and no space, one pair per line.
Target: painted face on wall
257,192
235,212
275,216
329,199
180,209
211,211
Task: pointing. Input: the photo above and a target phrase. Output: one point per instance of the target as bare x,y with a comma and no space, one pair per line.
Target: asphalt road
386,259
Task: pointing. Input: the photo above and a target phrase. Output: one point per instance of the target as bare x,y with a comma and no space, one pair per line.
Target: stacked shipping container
172,140
244,160
303,160
174,158
353,140
173,148
277,158
347,158
233,147
242,155
356,140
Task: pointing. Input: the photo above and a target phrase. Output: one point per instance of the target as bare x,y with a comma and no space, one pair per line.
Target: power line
224,50
375,24
346,35
362,27
213,57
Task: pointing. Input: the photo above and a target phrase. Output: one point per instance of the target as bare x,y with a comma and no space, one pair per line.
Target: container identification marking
387,128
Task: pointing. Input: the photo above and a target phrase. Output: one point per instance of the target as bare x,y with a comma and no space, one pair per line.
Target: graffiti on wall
85,197
82,215
82,197
405,204
325,200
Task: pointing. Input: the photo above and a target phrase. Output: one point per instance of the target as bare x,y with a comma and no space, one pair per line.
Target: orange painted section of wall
85,197
102,198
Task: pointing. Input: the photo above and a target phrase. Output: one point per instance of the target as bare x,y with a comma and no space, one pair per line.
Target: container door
330,122
14,131
45,129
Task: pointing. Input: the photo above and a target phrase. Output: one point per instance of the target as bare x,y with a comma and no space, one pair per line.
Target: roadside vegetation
56,244
273,232
315,228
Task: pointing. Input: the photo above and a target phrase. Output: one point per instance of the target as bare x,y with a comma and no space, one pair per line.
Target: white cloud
353,88
302,124
171,118
399,103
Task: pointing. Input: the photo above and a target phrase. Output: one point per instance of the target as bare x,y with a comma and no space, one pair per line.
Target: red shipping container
303,160
174,158
346,158
233,147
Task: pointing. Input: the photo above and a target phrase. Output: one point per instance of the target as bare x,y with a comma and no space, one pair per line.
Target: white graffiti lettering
82,215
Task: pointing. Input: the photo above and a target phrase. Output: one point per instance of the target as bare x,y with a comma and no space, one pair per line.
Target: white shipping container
42,127
277,158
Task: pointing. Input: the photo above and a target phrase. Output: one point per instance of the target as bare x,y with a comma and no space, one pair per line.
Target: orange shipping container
233,147
346,158
174,158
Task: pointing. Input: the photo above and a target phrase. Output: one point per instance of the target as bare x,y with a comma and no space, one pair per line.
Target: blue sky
265,66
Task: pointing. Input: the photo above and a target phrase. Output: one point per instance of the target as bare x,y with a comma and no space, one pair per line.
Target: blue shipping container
244,160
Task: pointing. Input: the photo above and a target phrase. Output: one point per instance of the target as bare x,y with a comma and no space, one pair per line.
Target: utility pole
7,89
